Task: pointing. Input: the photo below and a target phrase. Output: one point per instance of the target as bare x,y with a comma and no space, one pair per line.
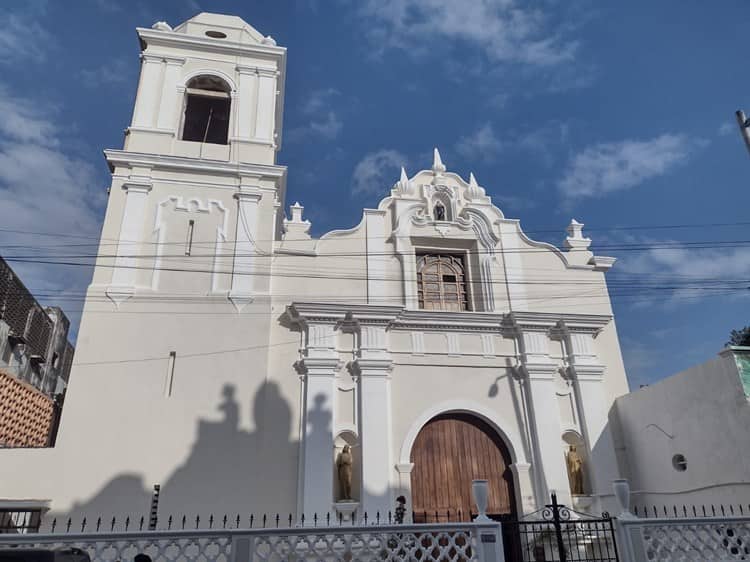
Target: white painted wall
701,413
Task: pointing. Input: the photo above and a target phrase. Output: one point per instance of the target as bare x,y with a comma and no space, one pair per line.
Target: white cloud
325,121
727,128
44,188
607,167
23,38
115,72
319,100
483,144
377,172
505,30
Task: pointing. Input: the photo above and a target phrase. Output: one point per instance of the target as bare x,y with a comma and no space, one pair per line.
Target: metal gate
558,533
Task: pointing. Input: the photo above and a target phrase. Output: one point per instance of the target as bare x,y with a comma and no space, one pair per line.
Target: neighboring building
228,356
684,440
35,362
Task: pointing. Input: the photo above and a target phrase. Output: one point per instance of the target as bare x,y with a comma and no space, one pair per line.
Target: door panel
450,451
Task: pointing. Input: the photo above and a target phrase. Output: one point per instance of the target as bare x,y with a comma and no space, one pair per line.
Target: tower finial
404,178
437,164
473,181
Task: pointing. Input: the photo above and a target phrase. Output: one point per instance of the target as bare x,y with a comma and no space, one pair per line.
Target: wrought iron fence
684,510
557,532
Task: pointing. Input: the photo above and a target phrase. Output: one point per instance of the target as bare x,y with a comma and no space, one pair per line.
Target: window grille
20,521
441,282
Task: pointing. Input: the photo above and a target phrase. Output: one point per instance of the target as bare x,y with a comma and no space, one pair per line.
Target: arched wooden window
441,282
207,109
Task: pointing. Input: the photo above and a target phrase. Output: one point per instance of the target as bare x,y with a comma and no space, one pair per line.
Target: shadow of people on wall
228,471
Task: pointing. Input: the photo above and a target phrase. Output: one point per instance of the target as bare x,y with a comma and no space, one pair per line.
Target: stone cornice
544,321
184,164
399,318
154,37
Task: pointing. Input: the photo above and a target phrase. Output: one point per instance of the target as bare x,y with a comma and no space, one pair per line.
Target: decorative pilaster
247,102
538,372
147,98
266,116
373,366
319,368
170,95
587,374
243,270
124,273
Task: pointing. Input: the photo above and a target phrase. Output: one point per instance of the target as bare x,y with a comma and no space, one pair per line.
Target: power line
541,230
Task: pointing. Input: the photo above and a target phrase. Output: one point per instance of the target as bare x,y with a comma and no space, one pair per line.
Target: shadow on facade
229,471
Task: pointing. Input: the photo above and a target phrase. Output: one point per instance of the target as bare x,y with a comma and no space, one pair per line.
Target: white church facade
228,356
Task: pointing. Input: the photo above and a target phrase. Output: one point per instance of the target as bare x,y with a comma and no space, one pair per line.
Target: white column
247,101
548,464
131,230
147,98
317,464
374,368
170,97
588,377
243,269
266,118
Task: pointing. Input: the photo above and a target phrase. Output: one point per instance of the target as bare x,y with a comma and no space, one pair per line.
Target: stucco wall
701,413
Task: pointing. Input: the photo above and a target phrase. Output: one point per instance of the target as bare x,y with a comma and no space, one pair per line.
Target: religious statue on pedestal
575,471
344,468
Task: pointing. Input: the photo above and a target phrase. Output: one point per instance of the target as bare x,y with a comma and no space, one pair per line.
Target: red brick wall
25,414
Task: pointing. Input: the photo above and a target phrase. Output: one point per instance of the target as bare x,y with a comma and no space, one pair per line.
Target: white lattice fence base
461,542
697,542
368,545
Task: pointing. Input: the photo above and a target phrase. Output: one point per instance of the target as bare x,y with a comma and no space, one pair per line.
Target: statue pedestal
582,503
346,509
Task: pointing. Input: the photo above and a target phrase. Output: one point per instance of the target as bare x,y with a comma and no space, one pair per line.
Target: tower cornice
184,164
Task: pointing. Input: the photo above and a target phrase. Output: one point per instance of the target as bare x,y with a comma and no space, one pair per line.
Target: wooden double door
450,451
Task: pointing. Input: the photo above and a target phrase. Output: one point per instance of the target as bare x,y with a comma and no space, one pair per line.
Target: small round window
216,34
679,463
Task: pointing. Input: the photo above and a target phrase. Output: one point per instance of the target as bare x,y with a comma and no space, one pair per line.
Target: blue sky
617,114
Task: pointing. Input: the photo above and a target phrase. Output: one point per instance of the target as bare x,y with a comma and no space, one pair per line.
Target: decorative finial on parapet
474,191
403,186
162,26
296,210
268,40
575,239
437,164
296,227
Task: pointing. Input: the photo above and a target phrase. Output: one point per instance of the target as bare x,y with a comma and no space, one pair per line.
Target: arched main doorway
449,452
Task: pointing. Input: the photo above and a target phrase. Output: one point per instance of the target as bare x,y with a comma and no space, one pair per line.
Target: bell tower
210,88
198,170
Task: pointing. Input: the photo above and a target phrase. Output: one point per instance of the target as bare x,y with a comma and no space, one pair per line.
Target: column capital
174,61
150,58
318,366
140,185
248,194
372,367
